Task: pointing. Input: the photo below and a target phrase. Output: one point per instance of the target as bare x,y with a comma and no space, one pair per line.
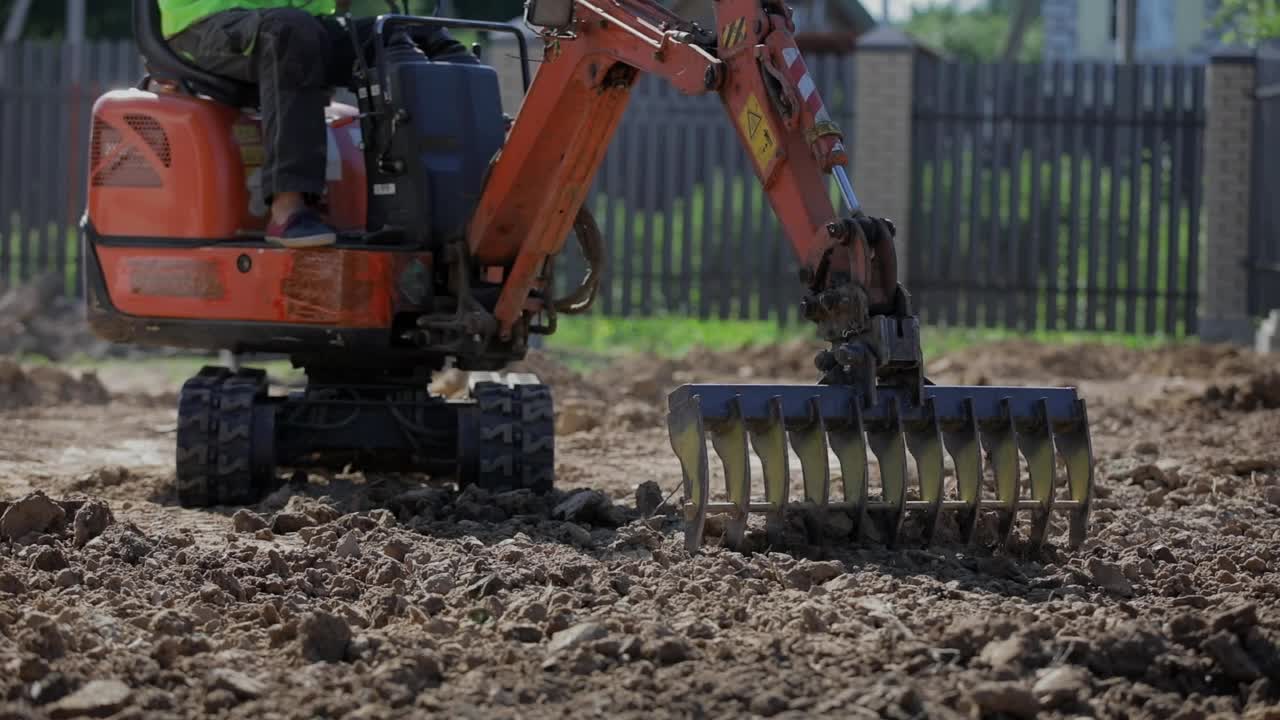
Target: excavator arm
872,398
751,61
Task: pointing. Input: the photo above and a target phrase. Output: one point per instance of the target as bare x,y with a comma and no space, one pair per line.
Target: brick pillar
1224,232
884,65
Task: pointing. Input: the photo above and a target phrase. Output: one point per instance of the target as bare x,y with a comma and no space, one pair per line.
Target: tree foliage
978,35
1249,21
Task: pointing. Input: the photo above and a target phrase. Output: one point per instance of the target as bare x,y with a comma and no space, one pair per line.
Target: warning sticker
761,138
733,33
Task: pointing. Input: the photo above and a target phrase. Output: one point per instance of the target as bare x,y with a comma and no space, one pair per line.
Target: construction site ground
379,596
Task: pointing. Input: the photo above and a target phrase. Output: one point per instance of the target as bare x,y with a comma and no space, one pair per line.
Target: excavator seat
164,64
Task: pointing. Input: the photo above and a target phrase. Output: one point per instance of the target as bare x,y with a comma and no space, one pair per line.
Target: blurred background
1055,166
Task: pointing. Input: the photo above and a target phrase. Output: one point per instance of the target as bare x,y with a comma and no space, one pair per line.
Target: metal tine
924,440
1076,448
810,443
960,436
849,443
769,440
809,440
729,438
684,425
890,447
999,438
1035,439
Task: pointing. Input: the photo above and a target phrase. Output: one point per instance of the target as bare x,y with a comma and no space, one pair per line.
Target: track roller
507,441
225,439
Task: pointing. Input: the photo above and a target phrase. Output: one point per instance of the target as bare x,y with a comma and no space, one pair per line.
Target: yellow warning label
733,33
759,133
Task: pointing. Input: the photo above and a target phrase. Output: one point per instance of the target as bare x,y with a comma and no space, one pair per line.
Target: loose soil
377,596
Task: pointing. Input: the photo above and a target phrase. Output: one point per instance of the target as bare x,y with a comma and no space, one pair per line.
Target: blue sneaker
303,229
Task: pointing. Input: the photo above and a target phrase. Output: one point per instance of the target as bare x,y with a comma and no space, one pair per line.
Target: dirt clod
91,520
1237,619
1231,657
574,636
1062,686
290,522
49,559
98,698
247,521
324,637
34,513
1110,577
1006,698
237,683
648,498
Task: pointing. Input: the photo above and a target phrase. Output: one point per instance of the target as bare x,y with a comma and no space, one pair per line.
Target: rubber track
215,434
517,438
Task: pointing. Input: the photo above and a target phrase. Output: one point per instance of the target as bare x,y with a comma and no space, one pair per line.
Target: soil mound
1258,392
46,386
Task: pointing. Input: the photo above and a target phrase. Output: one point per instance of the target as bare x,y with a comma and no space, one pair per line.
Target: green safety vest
178,15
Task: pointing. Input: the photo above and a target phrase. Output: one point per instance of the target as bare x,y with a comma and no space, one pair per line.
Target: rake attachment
1007,425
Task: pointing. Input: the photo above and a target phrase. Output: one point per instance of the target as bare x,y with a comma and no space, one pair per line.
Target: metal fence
1059,197
1264,231
46,100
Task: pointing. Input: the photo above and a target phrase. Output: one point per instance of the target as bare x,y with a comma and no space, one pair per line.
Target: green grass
674,336
670,336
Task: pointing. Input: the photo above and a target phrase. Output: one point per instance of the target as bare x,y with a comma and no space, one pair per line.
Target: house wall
1167,29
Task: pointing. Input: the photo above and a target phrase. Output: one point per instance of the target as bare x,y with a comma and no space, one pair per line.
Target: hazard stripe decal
733,33
799,74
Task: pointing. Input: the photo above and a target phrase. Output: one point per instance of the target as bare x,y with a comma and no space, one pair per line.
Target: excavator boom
872,393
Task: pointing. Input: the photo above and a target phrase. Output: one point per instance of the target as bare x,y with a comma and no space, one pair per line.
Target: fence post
884,86
1224,236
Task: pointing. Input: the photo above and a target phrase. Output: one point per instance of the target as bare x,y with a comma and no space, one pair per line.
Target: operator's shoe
303,229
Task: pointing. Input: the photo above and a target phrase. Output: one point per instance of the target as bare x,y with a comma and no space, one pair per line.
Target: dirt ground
371,597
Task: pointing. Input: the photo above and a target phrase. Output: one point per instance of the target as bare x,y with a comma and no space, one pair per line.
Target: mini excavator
446,257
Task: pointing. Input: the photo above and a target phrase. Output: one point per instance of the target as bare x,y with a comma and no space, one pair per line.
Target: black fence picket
1057,197
47,91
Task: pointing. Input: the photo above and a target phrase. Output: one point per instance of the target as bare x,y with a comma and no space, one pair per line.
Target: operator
294,51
